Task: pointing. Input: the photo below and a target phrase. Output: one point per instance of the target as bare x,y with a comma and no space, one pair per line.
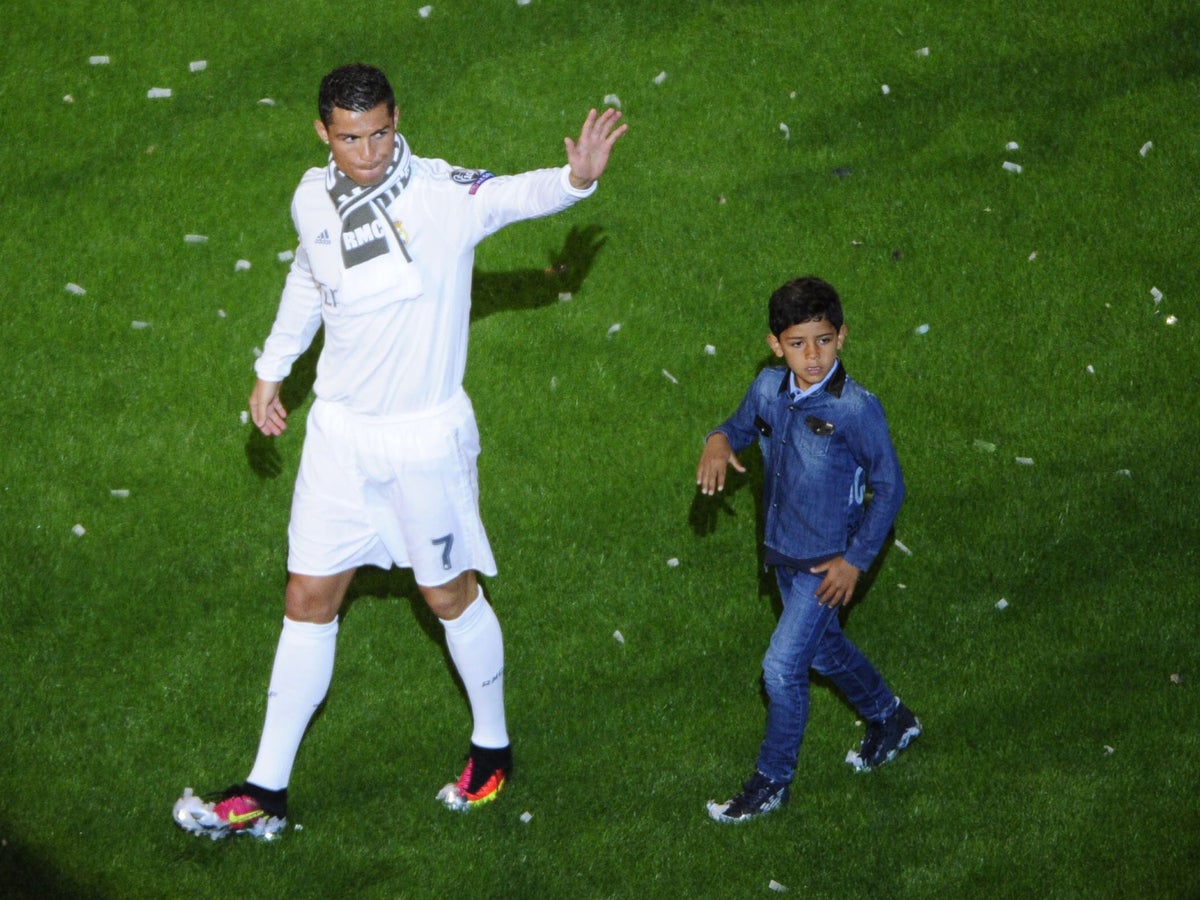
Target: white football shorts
400,491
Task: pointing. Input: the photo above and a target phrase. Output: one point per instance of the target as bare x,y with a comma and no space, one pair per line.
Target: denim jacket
820,454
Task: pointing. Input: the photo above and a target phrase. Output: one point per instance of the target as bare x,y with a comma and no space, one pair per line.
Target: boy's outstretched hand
837,587
717,455
588,156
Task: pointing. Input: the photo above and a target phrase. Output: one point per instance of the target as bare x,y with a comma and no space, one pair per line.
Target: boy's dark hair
356,87
807,299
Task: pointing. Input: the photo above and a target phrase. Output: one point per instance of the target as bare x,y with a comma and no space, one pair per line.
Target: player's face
810,349
361,142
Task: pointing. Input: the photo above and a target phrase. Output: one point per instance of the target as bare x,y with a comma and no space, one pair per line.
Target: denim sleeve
873,450
740,427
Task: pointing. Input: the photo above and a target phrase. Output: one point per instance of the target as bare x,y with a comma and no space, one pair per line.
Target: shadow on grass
26,872
492,292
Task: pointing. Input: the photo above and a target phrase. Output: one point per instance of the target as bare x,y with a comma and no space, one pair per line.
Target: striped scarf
363,210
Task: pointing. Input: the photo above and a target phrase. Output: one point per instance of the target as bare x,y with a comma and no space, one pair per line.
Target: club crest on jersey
473,177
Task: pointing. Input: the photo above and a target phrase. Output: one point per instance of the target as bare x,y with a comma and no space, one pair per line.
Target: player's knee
449,601
312,600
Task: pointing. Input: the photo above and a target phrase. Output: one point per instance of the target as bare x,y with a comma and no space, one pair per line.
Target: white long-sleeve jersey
396,333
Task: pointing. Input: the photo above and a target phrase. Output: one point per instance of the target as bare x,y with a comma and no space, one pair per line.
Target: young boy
824,439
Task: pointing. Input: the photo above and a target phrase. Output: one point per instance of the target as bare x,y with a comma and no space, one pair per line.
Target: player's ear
776,347
841,338
322,131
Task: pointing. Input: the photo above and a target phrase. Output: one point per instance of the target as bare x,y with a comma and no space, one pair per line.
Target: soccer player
388,473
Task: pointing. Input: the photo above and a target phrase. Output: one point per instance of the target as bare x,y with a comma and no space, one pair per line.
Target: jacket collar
834,386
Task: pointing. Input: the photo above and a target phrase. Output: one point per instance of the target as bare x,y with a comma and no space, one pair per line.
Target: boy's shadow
492,292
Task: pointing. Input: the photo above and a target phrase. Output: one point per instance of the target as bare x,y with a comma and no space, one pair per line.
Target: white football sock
476,645
299,681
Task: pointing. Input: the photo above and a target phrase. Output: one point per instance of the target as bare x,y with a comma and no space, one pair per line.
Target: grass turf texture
134,659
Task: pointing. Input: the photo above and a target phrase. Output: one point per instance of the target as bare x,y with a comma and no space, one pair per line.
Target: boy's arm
738,432
877,456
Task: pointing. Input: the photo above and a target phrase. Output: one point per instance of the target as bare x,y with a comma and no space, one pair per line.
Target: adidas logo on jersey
323,237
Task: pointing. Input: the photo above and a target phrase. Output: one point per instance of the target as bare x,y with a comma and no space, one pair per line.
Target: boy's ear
321,130
841,336
776,347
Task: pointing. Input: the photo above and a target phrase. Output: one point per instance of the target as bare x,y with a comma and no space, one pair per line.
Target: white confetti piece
787,132
612,100
298,827
138,325
922,329
73,288
985,446
1124,473
1146,148
673,563
1012,167
424,11
885,89
660,77
924,51
220,313
241,265
902,587
1171,320
671,378
244,417
79,530
710,350
67,98
1001,603
1023,460
1109,751
257,351
285,256
198,65
900,546
526,816
98,60
524,3
120,493
564,297
195,239
157,93
1176,678
1033,256
553,382
1091,370
1012,145
614,328
1157,295
266,101
618,637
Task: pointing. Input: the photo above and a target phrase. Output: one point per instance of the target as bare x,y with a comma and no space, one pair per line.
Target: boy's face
810,349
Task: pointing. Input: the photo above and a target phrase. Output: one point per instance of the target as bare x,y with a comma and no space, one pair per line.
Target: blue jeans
808,636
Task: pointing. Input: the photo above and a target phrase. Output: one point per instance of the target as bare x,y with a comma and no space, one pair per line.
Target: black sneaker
884,740
760,795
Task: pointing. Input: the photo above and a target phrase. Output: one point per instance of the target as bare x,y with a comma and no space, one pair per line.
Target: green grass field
1060,753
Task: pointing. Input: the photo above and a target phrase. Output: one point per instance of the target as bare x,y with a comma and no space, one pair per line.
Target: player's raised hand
266,409
717,455
589,154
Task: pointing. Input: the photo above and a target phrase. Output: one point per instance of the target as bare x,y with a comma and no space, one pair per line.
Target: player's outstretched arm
266,409
717,455
588,156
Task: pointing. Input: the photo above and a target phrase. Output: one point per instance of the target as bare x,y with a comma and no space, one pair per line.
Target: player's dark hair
807,299
357,88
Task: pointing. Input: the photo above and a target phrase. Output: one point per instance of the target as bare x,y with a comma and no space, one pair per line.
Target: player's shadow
565,271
